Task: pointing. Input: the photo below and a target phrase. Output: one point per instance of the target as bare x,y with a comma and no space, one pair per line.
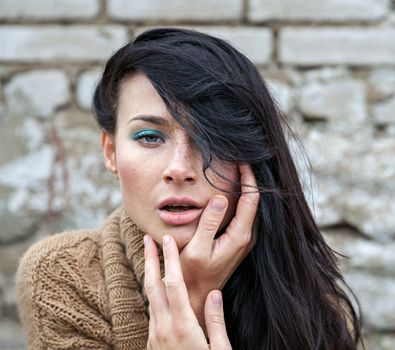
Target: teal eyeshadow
147,132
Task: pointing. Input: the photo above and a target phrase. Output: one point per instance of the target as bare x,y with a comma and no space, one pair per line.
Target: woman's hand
173,324
207,263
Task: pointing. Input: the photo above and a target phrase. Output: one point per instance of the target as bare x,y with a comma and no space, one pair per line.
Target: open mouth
176,208
179,211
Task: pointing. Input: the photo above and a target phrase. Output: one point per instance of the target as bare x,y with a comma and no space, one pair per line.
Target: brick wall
329,64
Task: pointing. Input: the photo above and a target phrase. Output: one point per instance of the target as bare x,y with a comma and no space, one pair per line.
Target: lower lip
179,217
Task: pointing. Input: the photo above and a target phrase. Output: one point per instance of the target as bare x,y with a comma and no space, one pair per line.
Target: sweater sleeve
61,297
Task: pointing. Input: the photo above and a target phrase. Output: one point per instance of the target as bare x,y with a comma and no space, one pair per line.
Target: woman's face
160,172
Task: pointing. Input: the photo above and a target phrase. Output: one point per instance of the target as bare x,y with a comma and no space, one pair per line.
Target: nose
181,165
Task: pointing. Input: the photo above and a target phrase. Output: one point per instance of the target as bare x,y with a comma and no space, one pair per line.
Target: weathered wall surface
330,65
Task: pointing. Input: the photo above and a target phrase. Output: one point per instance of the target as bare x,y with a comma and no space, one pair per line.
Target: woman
192,133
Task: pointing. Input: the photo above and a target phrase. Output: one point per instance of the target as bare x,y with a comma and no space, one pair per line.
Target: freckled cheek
137,180
130,178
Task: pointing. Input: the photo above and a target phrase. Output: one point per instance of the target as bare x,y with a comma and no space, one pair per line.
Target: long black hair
288,292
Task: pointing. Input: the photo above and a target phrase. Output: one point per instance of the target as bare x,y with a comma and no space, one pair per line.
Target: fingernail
147,239
216,298
218,204
166,240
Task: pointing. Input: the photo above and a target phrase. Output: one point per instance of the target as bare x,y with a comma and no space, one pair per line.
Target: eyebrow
153,119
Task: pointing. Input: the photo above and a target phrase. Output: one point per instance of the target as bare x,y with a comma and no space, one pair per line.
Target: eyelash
143,136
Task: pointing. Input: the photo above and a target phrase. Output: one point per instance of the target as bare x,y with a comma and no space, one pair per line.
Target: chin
182,235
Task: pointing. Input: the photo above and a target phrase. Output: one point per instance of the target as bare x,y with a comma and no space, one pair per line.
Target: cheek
131,178
138,178
127,172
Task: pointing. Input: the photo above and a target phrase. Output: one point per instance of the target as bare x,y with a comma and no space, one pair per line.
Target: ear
108,147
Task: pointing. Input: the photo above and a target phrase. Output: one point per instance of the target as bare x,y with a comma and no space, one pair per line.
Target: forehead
137,96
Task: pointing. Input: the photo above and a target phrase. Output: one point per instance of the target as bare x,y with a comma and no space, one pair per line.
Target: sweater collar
122,252
132,238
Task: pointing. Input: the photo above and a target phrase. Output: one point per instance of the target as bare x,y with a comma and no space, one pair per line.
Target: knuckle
241,229
210,224
236,225
244,238
180,331
245,241
233,226
251,198
172,281
195,259
151,342
149,287
216,319
255,198
161,334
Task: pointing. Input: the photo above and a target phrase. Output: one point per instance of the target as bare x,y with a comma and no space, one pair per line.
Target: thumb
215,321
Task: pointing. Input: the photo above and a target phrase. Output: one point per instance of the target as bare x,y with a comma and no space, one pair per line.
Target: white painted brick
85,87
282,93
355,46
391,130
63,43
317,10
37,93
382,83
323,149
325,74
197,10
377,297
322,194
2,110
255,43
28,171
342,101
361,252
358,160
48,9
384,112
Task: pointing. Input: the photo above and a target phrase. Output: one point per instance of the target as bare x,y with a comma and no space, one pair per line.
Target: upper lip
179,201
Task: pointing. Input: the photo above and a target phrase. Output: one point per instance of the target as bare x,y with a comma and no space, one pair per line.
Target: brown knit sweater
84,289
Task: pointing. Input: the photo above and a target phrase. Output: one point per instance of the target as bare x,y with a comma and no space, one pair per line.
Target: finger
215,321
176,290
247,204
249,199
209,223
153,282
235,243
151,329
152,323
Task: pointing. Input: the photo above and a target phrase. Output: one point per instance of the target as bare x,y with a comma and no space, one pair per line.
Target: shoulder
64,239
80,245
60,284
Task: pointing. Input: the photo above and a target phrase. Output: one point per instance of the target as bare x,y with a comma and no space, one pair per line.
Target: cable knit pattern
84,289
